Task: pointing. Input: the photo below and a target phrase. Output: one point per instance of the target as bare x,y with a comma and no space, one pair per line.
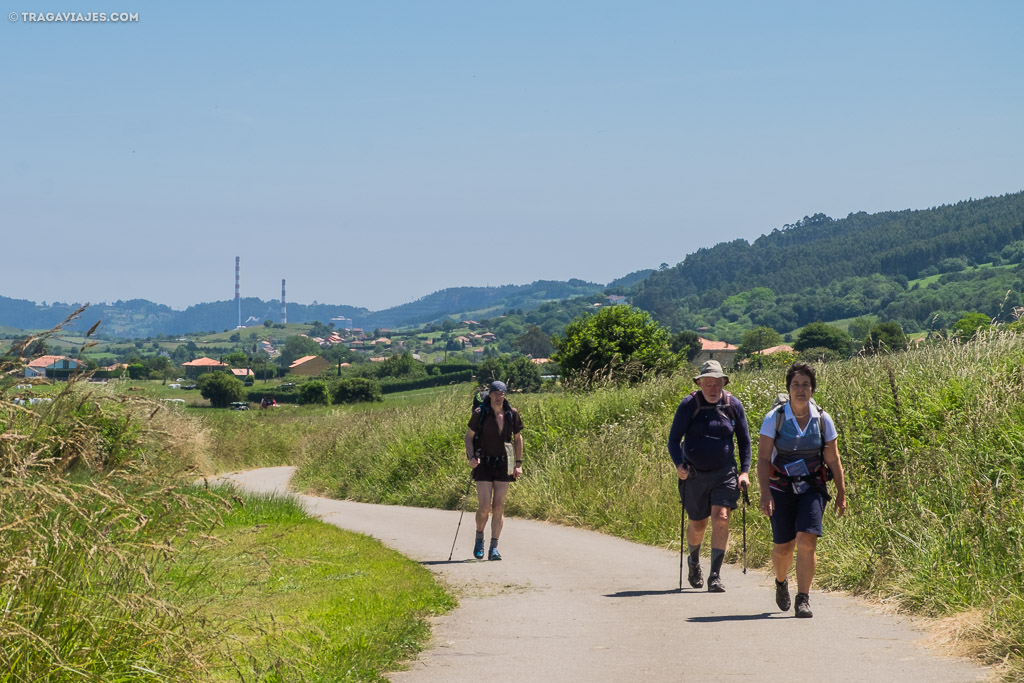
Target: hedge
394,386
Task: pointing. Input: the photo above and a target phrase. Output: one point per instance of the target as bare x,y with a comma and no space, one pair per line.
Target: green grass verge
293,598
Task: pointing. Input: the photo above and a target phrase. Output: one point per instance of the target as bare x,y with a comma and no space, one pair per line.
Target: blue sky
375,152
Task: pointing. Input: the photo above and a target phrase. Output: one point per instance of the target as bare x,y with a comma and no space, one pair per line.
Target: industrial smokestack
284,307
238,299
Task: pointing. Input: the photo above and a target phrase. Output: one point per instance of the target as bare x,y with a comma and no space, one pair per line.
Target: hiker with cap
797,454
493,438
701,444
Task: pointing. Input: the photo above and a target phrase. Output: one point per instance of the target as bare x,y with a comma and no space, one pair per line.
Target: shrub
356,390
220,388
314,391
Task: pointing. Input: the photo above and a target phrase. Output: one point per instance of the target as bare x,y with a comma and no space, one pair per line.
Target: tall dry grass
86,530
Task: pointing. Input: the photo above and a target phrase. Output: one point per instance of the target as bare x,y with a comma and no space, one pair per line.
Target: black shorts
797,512
494,469
701,490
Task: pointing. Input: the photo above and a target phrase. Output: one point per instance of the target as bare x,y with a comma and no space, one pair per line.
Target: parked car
239,405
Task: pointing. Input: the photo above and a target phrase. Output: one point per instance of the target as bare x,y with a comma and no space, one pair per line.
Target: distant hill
142,318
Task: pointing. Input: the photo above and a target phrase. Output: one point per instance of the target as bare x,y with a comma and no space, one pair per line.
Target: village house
309,365
38,367
723,352
194,368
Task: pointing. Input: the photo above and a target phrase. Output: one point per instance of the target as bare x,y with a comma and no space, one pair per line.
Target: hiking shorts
797,512
492,469
701,490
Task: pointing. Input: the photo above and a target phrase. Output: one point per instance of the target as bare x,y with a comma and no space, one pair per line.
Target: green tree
296,347
826,336
237,359
523,375
533,342
860,327
759,339
519,373
220,388
401,365
619,342
885,338
686,343
969,325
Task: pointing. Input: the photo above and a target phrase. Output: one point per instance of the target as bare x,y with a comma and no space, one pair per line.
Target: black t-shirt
492,444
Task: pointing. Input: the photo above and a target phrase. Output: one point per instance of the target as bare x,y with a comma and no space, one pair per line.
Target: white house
38,366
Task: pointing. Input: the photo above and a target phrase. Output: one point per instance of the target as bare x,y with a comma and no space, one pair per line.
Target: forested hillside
827,269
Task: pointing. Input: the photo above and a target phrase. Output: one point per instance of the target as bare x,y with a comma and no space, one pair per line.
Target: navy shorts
701,490
797,512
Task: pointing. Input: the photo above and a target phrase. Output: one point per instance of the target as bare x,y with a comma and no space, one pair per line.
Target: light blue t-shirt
792,438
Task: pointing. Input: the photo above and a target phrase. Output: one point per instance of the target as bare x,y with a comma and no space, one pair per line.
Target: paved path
572,605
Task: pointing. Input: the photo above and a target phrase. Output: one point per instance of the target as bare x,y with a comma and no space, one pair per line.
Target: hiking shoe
782,595
715,584
696,576
803,606
493,554
478,549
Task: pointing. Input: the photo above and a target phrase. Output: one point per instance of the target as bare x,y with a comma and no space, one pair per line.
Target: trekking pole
464,499
682,529
746,502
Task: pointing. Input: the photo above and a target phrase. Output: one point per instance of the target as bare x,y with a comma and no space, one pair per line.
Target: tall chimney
238,299
284,307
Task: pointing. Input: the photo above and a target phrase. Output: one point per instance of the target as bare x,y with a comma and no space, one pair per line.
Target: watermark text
74,17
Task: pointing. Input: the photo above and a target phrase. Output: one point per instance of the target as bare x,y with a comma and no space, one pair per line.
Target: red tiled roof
46,361
204,362
300,361
775,349
709,345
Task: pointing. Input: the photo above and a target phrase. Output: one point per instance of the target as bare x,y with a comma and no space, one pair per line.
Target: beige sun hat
711,368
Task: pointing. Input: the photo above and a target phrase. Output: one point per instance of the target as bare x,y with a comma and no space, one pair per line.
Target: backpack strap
728,413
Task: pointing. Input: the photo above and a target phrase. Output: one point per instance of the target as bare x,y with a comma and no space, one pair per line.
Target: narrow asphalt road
572,605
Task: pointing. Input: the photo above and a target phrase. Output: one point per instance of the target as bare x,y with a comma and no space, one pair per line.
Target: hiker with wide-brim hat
797,454
494,436
709,425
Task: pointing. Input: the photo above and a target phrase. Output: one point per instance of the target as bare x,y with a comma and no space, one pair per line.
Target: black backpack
482,404
701,405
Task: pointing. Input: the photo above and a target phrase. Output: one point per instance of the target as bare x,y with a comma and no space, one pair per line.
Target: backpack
823,473
482,403
699,405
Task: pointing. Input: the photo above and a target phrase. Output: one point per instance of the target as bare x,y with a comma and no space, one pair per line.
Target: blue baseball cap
498,386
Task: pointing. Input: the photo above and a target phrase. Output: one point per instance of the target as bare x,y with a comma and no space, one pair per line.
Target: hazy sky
375,152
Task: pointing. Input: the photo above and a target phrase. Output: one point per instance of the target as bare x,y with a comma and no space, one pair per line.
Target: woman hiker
796,455
495,428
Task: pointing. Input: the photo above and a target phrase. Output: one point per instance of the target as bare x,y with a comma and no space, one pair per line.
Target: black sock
494,543
479,535
717,555
694,554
